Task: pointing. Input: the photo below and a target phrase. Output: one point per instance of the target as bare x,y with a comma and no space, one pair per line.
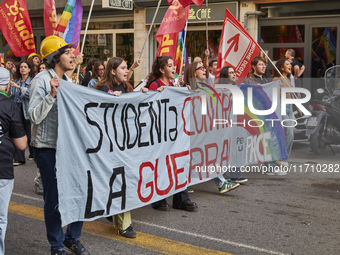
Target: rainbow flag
179,54
261,101
69,25
328,42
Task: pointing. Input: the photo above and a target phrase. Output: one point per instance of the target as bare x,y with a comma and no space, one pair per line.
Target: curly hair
159,63
17,74
35,68
109,79
280,64
56,58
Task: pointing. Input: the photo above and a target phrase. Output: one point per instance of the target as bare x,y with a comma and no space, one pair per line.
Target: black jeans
179,199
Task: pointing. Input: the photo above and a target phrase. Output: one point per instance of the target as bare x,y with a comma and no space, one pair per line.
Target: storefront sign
102,40
117,4
196,14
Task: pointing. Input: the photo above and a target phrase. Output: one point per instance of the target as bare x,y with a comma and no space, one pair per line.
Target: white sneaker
278,172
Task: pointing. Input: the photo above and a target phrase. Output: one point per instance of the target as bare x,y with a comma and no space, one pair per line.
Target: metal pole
82,46
206,23
153,20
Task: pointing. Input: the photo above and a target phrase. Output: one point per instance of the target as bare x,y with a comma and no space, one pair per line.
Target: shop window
98,46
279,53
323,49
196,43
316,8
124,49
283,34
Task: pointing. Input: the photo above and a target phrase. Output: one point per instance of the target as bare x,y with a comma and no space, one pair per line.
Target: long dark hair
159,63
189,76
90,64
280,64
95,72
109,79
17,74
224,76
35,68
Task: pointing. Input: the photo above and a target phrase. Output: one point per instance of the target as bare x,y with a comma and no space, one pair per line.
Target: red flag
280,53
237,48
185,3
16,27
167,34
50,17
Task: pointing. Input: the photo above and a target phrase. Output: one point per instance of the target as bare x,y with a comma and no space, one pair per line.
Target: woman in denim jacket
20,95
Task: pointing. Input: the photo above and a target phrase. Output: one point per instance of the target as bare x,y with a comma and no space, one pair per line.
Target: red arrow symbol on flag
234,43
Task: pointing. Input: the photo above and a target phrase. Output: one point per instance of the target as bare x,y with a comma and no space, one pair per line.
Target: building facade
308,26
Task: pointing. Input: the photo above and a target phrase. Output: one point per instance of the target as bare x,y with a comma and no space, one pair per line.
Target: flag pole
153,20
206,23
289,85
184,45
82,46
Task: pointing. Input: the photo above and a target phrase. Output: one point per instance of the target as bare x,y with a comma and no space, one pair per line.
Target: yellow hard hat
50,47
33,55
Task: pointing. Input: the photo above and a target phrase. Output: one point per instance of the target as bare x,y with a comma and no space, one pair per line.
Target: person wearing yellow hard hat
43,113
2,62
34,60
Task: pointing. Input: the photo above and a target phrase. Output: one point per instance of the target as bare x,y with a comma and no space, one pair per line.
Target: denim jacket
24,94
43,111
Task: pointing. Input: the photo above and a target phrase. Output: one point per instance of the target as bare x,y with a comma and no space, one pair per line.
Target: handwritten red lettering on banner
19,37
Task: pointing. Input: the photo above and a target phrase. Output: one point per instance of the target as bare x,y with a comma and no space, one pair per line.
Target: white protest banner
115,154
221,141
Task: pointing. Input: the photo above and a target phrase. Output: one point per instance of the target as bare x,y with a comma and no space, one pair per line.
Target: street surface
294,214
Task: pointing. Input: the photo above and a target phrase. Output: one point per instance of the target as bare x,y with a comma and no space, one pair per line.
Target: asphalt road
293,214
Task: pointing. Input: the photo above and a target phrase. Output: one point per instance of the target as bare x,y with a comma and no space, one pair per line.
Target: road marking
211,238
28,197
143,240
180,232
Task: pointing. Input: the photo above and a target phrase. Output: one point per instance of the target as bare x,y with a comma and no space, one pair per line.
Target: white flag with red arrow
237,47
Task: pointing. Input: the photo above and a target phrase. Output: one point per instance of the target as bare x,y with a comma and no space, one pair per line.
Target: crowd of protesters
32,86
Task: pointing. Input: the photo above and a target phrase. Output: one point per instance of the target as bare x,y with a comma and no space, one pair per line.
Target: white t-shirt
211,80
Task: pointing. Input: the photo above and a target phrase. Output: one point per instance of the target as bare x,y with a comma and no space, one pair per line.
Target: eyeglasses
200,68
101,69
232,72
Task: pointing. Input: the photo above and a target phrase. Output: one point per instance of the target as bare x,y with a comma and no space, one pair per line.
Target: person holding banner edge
285,67
163,71
43,114
195,76
228,76
115,82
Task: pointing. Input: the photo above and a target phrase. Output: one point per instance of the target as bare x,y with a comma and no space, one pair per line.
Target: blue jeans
45,160
6,187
